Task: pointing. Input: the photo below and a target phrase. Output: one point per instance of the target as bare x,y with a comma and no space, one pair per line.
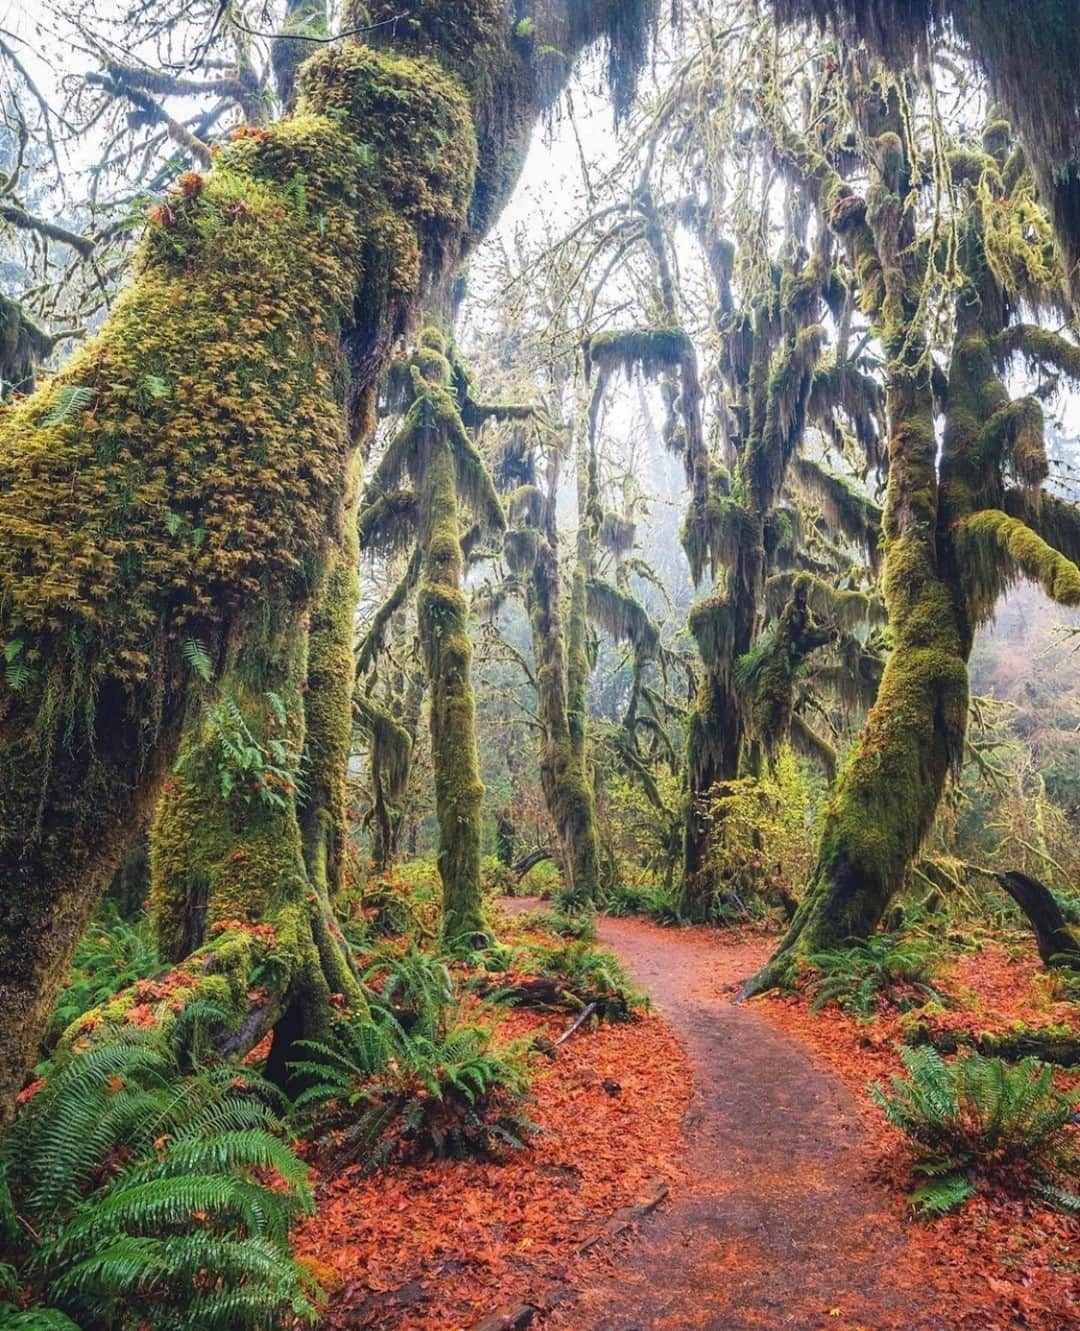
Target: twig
584,1016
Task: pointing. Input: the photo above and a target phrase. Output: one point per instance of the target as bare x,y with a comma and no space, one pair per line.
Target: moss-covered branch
995,548
1055,520
844,508
1040,346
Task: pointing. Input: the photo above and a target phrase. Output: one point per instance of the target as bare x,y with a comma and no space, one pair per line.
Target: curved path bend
779,1224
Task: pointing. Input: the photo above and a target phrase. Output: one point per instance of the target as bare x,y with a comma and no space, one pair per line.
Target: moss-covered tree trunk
562,670
888,791
951,547
442,613
185,469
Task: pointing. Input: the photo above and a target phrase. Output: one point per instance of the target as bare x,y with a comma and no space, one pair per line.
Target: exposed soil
780,1222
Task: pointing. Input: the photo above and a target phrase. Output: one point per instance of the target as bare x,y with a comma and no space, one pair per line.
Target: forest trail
778,1224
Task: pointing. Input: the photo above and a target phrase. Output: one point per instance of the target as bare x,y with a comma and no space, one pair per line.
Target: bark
571,775
562,670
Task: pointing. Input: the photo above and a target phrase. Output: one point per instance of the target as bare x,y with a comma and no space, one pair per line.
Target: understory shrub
884,968
497,879
578,925
586,975
406,900
138,1194
765,839
653,900
979,1122
378,1093
544,879
415,986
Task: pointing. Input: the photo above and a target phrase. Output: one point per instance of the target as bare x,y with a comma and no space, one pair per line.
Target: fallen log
1062,1048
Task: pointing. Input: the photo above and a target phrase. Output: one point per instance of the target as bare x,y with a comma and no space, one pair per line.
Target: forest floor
787,1190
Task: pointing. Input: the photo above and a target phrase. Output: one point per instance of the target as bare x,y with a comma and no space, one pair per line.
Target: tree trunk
888,792
571,773
447,649
564,772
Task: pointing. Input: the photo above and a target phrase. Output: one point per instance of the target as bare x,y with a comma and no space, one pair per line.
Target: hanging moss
784,538
391,759
805,740
387,522
765,675
843,507
788,393
650,350
23,346
1055,520
713,626
845,609
1029,52
617,534
1039,347
620,615
720,533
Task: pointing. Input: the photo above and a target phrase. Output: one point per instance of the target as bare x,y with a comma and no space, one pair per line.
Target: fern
35,1319
152,1189
70,399
112,954
197,659
884,968
941,1195
378,1092
979,1121
17,669
586,975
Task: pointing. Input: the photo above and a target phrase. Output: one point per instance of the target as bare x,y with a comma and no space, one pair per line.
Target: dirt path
779,1224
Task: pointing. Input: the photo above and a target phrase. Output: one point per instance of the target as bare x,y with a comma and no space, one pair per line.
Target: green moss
995,549
1055,520
844,508
622,616
766,674
328,711
411,123
650,350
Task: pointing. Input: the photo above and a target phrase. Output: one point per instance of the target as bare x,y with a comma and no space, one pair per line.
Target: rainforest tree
171,498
